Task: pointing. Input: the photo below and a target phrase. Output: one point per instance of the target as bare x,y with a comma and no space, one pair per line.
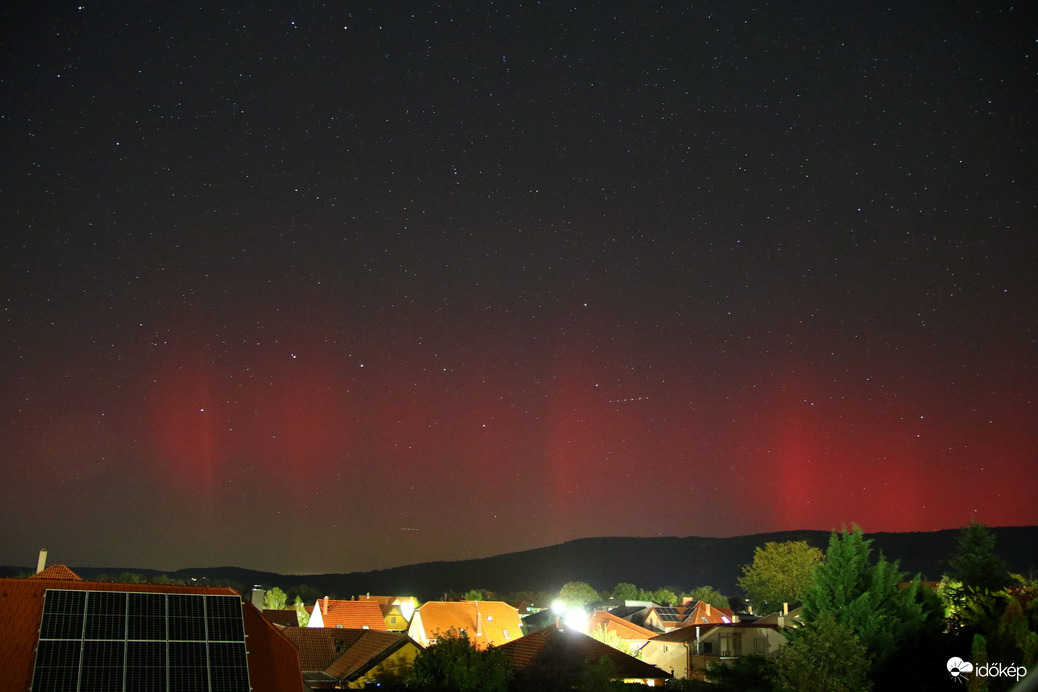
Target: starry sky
310,287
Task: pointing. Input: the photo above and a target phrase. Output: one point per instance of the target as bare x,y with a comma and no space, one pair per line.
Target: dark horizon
767,535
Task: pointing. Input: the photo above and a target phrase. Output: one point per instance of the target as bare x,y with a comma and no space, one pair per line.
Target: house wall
395,621
669,656
416,630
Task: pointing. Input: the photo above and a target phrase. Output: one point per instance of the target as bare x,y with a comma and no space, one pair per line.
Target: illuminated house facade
485,623
397,611
688,652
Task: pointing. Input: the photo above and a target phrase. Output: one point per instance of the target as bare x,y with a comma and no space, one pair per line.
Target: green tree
709,594
749,673
301,614
274,599
978,657
887,616
611,638
625,592
1000,626
780,573
577,594
664,597
453,664
825,657
975,562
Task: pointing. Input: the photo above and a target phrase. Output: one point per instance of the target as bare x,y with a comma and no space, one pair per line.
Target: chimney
324,608
708,610
257,597
41,563
785,608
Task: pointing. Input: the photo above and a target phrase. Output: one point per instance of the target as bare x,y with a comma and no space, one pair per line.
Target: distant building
361,615
688,652
397,611
485,623
627,632
58,632
690,612
555,654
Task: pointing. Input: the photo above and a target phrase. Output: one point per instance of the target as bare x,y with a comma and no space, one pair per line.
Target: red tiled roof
702,613
572,648
320,646
273,661
58,573
692,613
622,628
349,614
342,654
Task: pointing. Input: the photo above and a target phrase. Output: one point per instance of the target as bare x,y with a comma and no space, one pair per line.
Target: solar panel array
114,641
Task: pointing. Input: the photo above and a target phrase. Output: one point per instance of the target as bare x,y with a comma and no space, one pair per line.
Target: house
784,618
361,615
334,657
690,612
485,623
688,652
618,629
555,656
633,611
56,629
396,610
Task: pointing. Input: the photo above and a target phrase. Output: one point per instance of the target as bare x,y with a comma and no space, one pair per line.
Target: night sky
318,288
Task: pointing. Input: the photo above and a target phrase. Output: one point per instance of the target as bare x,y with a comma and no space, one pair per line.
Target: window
708,648
392,619
505,632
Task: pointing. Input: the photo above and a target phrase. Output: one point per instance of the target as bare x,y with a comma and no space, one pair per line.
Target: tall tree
274,599
975,562
826,657
709,594
301,613
780,573
453,664
664,596
577,594
887,616
625,592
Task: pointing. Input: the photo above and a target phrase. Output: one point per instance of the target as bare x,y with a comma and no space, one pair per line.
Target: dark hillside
605,562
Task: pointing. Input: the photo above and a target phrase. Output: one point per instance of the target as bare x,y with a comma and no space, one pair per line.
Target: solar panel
101,641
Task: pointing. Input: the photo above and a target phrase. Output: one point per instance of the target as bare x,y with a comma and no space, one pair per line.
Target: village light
576,619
